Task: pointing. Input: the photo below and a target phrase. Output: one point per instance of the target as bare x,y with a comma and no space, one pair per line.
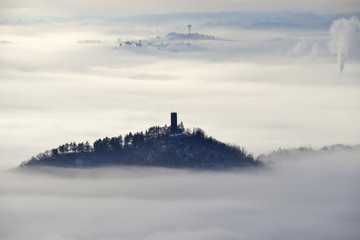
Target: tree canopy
154,147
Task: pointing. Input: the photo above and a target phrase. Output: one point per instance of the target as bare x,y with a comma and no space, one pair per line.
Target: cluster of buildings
131,43
169,40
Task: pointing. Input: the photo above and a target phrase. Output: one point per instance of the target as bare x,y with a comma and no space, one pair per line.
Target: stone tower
174,128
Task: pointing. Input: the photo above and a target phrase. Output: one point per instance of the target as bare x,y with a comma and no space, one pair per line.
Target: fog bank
314,197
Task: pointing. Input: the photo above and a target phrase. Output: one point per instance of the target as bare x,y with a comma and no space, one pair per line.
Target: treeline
157,146
114,144
131,140
137,139
73,148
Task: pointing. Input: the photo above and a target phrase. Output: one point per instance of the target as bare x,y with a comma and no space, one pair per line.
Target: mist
314,197
69,80
345,38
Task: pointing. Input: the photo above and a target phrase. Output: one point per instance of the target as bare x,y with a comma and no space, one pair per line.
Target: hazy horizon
260,86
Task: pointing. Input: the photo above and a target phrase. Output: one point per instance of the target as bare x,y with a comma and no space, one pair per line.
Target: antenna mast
189,26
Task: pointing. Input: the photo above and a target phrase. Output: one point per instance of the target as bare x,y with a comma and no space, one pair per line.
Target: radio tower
189,26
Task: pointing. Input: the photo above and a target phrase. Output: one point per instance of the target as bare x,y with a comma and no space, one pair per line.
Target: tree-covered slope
156,147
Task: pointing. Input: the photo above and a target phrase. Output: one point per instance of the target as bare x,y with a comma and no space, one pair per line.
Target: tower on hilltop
174,128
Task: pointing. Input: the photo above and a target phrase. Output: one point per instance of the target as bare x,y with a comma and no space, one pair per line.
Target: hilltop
171,42
172,147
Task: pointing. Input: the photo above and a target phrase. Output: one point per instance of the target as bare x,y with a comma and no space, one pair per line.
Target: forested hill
156,147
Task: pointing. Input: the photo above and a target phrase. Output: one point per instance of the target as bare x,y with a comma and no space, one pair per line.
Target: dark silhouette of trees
138,140
67,147
62,149
87,147
154,147
128,140
116,143
199,133
54,152
181,127
80,147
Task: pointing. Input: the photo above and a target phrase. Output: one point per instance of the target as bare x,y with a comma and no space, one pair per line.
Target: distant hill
301,152
156,147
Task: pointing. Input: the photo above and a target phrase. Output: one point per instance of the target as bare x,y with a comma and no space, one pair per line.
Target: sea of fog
69,80
311,197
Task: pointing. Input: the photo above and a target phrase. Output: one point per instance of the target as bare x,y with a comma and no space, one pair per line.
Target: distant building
139,44
132,43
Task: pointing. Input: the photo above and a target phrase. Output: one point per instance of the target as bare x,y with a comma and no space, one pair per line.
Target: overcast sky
114,8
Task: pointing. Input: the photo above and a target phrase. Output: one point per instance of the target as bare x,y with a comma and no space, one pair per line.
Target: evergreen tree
66,148
73,147
87,147
115,144
181,127
61,149
98,146
128,140
81,147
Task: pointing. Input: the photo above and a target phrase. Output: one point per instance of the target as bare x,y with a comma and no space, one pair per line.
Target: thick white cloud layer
313,197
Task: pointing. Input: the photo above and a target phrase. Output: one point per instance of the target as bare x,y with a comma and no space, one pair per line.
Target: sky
64,8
